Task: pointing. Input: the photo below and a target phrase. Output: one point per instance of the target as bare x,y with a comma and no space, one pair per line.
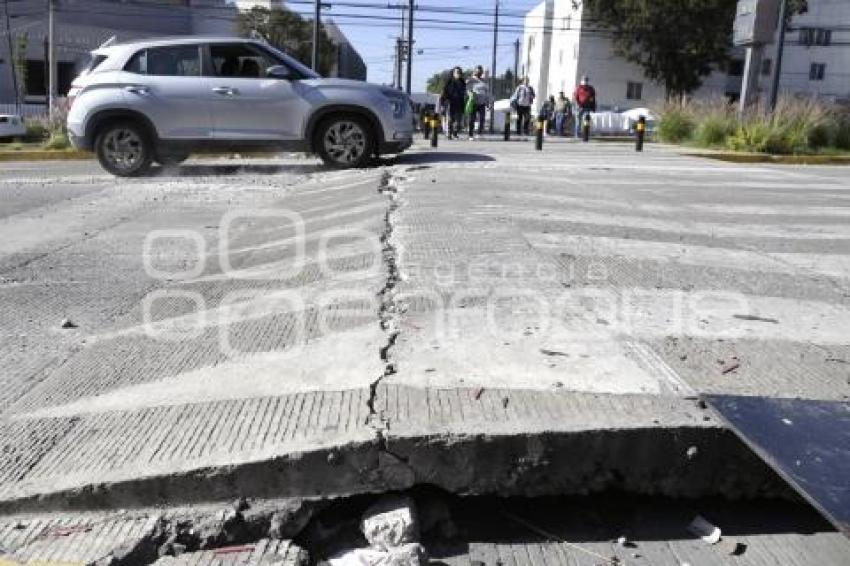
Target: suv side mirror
278,72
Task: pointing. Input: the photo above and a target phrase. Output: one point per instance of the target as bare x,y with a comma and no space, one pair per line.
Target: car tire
124,149
171,158
345,142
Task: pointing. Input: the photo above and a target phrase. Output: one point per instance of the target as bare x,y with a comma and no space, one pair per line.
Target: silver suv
158,100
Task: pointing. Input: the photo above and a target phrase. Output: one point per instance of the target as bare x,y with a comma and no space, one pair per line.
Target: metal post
640,133
435,131
51,57
409,48
12,59
541,127
752,69
316,23
493,70
399,62
780,47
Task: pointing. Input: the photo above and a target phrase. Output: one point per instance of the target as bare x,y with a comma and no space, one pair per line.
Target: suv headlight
399,102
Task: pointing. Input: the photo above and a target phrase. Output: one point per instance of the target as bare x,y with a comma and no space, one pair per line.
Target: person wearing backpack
521,101
585,101
454,98
478,100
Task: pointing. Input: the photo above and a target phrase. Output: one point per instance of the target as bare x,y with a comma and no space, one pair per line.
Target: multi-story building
560,45
83,25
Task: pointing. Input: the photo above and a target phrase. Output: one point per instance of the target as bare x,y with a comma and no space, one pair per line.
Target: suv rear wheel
124,149
345,142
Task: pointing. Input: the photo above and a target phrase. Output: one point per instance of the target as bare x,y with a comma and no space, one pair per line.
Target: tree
289,32
503,86
676,42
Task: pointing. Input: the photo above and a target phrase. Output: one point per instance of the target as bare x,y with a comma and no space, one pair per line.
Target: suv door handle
225,90
137,89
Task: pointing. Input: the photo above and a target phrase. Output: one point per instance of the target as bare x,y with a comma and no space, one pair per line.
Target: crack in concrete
388,309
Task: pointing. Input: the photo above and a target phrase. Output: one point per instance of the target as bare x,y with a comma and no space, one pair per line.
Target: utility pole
409,47
399,62
51,57
780,47
12,66
316,23
493,69
516,60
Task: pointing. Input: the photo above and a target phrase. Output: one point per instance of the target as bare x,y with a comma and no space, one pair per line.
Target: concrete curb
45,155
776,159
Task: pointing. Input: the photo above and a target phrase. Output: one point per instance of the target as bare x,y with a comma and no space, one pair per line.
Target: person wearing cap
585,101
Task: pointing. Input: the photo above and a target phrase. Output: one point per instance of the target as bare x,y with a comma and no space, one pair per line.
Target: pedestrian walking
585,101
521,102
562,114
547,113
453,99
479,100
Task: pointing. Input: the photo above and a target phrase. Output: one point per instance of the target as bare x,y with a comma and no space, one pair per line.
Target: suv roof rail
109,42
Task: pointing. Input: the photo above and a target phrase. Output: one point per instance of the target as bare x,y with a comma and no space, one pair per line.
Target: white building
816,60
559,47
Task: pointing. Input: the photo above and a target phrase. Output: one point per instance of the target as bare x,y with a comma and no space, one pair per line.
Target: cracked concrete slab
473,317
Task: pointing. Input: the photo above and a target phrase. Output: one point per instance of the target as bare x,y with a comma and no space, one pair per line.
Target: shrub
36,131
675,125
58,140
714,130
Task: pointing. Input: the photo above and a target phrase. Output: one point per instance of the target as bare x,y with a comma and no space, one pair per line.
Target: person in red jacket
585,101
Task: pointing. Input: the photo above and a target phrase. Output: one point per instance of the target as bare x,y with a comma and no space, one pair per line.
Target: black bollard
640,133
585,128
541,127
434,131
507,126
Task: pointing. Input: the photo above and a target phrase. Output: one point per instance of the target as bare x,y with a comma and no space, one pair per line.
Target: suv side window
240,60
177,61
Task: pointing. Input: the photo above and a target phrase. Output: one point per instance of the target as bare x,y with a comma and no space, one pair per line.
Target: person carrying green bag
477,100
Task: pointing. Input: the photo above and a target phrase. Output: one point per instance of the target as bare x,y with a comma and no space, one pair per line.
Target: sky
470,45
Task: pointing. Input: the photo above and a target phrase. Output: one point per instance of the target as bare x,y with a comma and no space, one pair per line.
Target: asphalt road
234,310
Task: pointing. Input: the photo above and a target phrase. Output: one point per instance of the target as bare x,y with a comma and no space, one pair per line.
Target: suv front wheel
345,142
124,149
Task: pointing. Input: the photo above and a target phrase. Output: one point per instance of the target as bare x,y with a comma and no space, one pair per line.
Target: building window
815,36
817,71
634,91
766,66
567,23
736,68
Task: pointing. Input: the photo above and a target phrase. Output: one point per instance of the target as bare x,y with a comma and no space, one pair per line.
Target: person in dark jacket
454,98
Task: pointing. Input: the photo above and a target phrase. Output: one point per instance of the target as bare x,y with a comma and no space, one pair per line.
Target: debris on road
692,452
730,365
390,527
67,323
478,393
700,527
755,318
391,522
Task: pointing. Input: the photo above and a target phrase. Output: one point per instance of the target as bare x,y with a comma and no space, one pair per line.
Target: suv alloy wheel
123,149
345,142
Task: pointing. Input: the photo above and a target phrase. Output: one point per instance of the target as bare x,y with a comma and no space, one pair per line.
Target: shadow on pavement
437,157
235,169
